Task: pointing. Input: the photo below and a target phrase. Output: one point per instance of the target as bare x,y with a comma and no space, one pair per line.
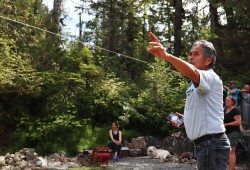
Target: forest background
60,93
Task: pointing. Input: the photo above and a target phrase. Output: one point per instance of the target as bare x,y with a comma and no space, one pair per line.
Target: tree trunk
217,42
109,35
177,27
57,9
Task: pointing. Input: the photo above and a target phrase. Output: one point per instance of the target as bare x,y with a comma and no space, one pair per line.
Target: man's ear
209,60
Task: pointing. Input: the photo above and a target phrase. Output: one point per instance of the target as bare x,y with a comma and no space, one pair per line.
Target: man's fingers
156,46
153,37
169,122
154,43
174,124
150,50
178,114
153,48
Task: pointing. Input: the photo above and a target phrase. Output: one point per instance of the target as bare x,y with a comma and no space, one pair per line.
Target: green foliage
164,94
16,73
232,34
57,97
94,137
129,133
49,134
111,99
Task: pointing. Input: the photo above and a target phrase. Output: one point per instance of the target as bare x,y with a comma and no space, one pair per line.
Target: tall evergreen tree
231,37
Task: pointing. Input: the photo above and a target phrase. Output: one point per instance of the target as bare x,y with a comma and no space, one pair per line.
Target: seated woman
232,122
115,143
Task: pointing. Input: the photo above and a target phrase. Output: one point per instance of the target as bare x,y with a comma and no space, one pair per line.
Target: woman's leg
119,149
113,146
233,137
232,158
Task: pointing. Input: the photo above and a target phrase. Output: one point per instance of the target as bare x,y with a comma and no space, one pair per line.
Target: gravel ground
145,163
138,163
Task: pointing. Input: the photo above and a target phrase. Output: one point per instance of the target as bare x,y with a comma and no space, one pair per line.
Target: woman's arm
245,90
120,138
231,91
236,122
111,136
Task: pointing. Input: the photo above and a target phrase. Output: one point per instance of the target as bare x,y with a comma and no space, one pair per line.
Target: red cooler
100,155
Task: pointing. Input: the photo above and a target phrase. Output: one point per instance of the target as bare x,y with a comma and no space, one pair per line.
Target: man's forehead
192,50
196,48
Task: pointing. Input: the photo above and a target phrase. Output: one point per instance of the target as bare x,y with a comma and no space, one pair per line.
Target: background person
232,122
203,113
245,105
115,136
246,88
231,90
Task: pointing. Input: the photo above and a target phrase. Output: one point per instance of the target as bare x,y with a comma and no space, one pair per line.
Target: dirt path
145,163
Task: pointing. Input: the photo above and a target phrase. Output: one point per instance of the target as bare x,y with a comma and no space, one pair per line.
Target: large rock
136,152
137,146
178,143
153,141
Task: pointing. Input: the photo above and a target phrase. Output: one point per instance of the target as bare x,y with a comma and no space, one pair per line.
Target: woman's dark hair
233,100
116,123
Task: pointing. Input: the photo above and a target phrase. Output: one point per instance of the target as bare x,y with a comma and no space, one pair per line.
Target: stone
124,152
177,144
188,155
7,155
135,152
6,168
73,165
27,159
153,141
16,158
55,156
138,147
2,161
10,161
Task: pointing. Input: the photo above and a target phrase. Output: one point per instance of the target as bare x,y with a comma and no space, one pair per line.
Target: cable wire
64,36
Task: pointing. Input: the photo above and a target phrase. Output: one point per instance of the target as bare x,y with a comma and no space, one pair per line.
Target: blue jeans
213,154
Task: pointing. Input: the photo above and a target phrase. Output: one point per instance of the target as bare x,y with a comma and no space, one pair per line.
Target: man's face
246,86
232,85
197,58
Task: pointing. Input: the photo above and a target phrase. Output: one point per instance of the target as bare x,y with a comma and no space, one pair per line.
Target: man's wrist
167,56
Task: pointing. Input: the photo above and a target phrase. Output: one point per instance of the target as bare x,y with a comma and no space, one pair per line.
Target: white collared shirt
203,113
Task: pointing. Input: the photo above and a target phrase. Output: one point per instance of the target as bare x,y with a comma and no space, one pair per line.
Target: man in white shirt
203,113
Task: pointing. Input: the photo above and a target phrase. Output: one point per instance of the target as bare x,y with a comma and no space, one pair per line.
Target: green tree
231,37
164,94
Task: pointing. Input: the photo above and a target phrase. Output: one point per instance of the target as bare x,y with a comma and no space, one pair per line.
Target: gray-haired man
203,113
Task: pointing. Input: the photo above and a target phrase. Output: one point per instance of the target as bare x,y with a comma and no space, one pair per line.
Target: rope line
63,36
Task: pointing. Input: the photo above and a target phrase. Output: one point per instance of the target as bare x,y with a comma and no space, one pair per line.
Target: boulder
178,143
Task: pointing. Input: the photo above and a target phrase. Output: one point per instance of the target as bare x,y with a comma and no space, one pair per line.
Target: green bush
93,137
